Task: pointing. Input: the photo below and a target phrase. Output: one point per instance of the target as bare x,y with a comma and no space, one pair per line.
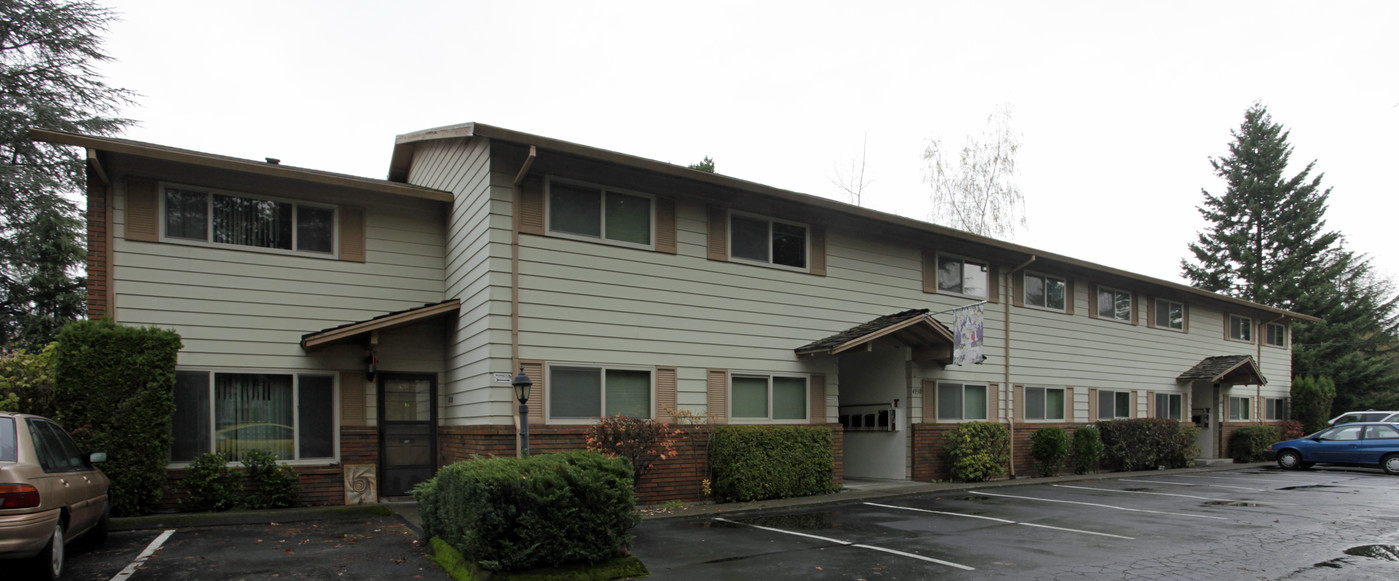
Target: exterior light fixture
522,384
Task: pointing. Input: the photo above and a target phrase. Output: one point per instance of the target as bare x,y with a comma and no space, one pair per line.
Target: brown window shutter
665,393
1068,404
352,399
717,395
1092,301
1184,318
818,250
1017,289
1150,403
1150,312
718,234
1132,413
1092,406
665,226
993,399
530,217
993,284
535,371
1226,326
930,401
930,271
352,247
1018,401
1136,308
1069,295
818,398
142,210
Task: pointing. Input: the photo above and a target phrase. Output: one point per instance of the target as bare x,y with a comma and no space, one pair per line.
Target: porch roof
349,331
1232,369
916,328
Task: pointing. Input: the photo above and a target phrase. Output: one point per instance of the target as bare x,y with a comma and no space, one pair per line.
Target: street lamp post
522,384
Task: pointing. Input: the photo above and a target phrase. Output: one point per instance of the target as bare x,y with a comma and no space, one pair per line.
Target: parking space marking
1208,498
1333,481
146,554
1194,484
999,520
1185,514
847,544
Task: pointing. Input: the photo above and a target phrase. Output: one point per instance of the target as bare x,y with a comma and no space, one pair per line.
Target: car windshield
7,440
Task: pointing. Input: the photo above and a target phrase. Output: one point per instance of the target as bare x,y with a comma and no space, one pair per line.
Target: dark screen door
407,433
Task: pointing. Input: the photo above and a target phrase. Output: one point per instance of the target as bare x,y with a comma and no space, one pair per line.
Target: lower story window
768,398
1114,405
1168,406
1275,409
1239,408
290,416
961,401
584,393
1044,403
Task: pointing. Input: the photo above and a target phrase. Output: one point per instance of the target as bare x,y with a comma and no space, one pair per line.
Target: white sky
1120,104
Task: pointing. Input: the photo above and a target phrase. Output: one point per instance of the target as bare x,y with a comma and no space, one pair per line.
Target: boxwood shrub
766,462
1087,452
978,451
1247,443
1147,444
510,514
1049,446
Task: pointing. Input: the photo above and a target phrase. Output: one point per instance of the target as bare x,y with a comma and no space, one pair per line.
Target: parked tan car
50,493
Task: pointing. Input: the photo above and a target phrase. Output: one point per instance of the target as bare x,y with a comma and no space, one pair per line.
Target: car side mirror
96,457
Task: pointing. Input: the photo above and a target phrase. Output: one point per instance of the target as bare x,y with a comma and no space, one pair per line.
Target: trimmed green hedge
115,392
978,451
766,462
1049,446
509,514
1148,444
26,381
1247,443
1087,452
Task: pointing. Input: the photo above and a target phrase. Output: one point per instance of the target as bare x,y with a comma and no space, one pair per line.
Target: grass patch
452,562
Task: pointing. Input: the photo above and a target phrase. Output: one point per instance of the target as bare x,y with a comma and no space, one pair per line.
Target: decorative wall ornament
361,484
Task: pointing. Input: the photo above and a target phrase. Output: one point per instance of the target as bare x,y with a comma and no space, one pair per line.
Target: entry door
407,431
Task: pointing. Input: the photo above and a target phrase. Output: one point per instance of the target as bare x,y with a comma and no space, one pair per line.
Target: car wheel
1289,460
49,562
1390,464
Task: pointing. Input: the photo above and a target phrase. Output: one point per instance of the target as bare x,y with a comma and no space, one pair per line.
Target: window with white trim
1044,403
217,217
1045,291
962,276
1240,408
1114,304
962,401
1275,334
585,393
1240,328
1114,405
1275,408
289,415
1168,406
768,398
1170,315
767,240
601,214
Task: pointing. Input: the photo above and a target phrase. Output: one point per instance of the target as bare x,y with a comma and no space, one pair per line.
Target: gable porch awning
1230,369
350,331
930,340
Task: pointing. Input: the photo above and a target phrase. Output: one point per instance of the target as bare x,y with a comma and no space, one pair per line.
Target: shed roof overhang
1230,369
930,340
351,331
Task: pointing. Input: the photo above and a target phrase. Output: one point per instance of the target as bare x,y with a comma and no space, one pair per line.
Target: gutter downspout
515,282
1009,415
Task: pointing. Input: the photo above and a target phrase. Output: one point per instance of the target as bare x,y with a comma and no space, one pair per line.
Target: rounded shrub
1087,450
211,485
1049,446
978,451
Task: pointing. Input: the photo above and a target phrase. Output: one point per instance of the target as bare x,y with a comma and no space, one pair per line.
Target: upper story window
768,398
1045,291
1240,328
1170,315
600,213
235,219
1114,304
1276,334
767,240
585,393
962,276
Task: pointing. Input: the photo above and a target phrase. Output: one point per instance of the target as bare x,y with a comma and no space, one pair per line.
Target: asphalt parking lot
1249,523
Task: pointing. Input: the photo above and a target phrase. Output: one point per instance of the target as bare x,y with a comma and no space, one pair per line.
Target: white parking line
146,554
849,544
1194,484
1000,520
1185,514
1208,498
1331,482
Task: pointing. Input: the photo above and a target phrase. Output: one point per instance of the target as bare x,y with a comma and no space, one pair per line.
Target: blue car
1362,444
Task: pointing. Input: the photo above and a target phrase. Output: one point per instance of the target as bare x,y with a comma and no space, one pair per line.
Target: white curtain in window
253,411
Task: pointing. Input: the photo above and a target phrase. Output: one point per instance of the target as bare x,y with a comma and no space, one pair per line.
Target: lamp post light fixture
522,383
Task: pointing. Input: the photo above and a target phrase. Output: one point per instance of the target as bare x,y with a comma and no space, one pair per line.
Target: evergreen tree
1268,243
49,51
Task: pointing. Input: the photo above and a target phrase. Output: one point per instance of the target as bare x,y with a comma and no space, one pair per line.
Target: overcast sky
1120,104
